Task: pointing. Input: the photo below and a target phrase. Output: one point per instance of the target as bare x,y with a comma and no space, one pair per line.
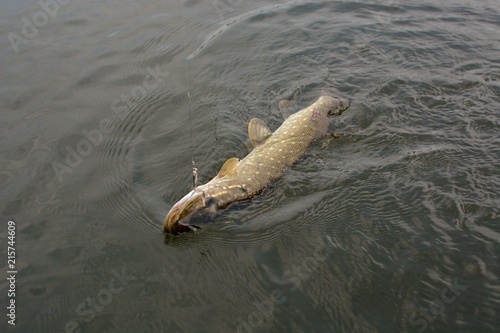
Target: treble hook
195,175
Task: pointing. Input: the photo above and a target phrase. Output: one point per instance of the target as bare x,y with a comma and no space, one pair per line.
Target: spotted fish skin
272,154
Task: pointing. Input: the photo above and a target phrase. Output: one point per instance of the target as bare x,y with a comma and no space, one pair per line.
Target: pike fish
239,180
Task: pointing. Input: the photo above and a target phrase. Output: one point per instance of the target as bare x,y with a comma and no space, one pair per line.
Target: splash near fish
239,180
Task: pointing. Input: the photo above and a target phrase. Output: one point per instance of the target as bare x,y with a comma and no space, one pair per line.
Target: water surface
390,226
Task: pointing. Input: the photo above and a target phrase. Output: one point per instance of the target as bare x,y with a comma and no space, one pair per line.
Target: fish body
273,152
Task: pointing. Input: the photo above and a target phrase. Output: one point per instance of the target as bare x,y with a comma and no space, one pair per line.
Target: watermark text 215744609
11,272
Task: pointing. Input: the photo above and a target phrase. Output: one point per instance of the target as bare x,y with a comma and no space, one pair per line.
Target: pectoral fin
228,167
287,107
258,132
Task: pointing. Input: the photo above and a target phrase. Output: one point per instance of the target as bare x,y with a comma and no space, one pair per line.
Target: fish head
190,208
333,106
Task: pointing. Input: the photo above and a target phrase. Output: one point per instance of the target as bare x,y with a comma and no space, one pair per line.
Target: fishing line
195,170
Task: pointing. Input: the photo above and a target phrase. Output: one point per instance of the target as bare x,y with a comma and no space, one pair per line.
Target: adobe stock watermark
424,316
224,7
48,9
380,23
295,275
88,308
120,108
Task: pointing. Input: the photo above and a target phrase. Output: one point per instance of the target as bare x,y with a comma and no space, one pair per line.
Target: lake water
391,225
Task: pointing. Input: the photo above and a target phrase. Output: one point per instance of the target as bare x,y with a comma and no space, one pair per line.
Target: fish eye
210,201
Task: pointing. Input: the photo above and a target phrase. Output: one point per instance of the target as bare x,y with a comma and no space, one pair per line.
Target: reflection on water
391,225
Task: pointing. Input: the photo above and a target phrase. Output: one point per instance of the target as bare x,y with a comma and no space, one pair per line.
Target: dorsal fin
287,107
325,89
258,132
248,145
228,167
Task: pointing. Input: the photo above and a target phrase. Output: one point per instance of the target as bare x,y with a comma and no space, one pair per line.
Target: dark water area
391,225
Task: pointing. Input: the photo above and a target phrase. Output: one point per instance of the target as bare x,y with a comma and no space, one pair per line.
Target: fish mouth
177,220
